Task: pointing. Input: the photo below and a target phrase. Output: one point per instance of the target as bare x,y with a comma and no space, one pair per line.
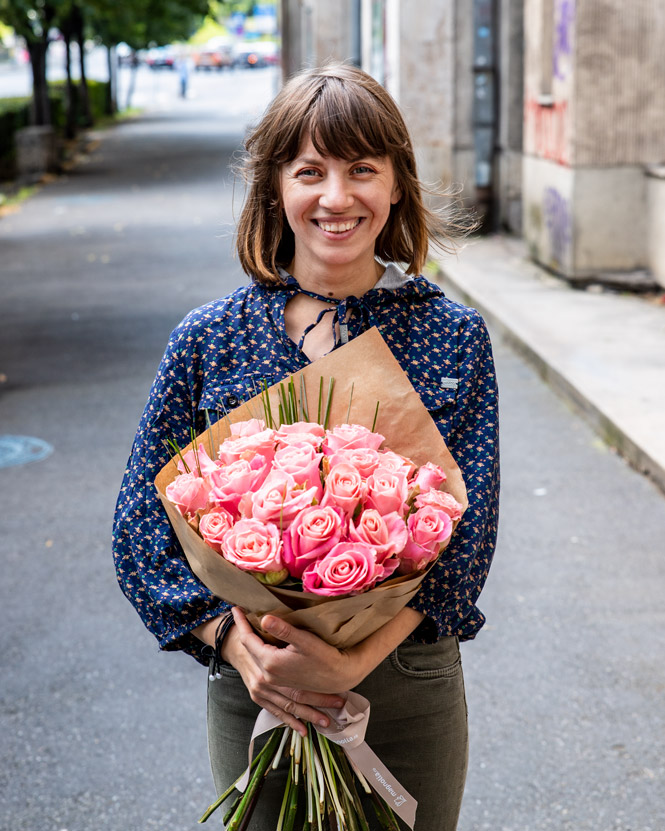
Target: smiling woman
333,235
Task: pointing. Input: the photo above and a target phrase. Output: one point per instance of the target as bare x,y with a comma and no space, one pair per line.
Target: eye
363,169
307,173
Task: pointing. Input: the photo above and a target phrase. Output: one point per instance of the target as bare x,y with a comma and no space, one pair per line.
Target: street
565,684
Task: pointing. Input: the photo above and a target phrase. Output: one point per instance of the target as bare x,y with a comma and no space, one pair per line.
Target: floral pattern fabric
218,357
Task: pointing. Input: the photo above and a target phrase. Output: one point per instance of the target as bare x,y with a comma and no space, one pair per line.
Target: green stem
256,780
285,800
384,814
232,809
227,793
331,386
292,807
376,415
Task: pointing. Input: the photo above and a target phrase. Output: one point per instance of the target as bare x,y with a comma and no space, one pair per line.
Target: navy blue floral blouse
217,357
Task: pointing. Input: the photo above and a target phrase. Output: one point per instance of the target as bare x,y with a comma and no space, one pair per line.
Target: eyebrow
318,161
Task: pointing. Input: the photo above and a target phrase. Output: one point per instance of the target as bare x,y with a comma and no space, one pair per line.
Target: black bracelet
222,631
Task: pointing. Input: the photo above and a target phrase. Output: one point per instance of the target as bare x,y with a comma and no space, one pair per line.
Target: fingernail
323,722
339,704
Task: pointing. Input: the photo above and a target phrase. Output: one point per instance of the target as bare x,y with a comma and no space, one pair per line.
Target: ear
396,195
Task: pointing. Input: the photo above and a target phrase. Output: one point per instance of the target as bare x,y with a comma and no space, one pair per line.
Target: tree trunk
70,127
112,95
84,98
41,107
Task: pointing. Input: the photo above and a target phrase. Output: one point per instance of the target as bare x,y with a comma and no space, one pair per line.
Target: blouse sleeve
150,565
448,594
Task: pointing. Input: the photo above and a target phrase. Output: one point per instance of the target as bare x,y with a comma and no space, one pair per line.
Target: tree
33,21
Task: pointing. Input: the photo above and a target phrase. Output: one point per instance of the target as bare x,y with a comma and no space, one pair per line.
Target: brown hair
348,115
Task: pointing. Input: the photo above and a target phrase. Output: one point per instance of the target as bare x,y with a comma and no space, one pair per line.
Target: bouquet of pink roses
330,508
318,522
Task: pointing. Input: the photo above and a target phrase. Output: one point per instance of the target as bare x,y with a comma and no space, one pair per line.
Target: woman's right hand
293,706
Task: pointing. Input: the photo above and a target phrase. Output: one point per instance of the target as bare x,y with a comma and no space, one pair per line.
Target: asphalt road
99,730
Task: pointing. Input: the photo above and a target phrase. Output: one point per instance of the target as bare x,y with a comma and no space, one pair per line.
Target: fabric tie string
341,311
347,729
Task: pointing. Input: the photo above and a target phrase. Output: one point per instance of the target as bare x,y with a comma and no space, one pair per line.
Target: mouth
338,227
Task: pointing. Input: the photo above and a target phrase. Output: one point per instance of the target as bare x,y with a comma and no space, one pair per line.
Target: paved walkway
604,351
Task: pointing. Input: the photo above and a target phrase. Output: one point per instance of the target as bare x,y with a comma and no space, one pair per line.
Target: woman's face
336,208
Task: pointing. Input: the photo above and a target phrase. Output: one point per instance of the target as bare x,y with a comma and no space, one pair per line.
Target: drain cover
19,450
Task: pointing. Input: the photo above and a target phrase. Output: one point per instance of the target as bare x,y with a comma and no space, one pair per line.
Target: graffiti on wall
546,128
564,19
556,212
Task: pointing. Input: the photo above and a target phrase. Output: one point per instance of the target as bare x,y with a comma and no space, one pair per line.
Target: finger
283,631
292,707
318,700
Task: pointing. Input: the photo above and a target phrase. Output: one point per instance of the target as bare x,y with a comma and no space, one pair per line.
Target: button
232,400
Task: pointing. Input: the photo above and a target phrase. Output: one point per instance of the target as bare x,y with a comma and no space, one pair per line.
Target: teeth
338,227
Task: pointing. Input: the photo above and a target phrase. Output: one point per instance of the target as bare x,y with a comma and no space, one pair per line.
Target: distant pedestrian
184,69
333,204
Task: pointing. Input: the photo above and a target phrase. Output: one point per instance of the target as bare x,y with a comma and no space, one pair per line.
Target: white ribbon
347,729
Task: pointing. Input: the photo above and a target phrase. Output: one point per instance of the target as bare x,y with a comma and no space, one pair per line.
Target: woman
333,203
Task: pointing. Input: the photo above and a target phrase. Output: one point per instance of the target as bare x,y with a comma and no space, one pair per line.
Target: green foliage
97,94
15,114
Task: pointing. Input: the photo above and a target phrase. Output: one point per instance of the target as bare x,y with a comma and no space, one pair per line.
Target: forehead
308,150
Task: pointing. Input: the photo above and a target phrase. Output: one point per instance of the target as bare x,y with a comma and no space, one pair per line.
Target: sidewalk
604,351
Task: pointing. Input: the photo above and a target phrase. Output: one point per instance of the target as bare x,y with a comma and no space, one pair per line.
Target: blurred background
120,125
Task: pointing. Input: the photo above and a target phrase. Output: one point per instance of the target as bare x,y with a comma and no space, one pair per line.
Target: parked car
161,57
215,54
258,54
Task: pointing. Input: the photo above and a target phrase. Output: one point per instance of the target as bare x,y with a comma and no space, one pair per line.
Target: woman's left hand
306,662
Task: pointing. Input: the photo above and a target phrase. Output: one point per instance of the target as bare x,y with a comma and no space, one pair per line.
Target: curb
610,432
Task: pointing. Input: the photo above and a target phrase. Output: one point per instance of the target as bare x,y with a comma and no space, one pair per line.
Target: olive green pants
417,727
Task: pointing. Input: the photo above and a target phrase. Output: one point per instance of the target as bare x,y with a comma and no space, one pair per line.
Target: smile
338,227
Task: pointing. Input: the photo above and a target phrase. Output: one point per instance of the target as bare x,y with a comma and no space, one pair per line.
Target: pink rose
205,463
310,536
441,499
230,482
244,447
430,530
387,534
189,493
344,489
365,460
351,437
301,432
348,568
429,477
254,546
396,463
302,462
213,525
280,499
248,428
387,491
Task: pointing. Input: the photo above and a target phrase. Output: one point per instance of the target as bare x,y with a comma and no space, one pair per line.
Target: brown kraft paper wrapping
366,364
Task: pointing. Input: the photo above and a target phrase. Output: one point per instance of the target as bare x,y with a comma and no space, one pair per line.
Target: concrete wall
620,82
511,106
656,221
594,113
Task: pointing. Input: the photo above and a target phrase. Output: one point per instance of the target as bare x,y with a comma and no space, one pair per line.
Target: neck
336,282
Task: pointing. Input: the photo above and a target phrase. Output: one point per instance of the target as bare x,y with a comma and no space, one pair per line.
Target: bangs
344,122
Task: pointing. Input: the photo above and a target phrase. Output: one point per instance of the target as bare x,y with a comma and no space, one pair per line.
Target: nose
336,195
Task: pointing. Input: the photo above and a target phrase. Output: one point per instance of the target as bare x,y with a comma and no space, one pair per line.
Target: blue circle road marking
19,450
